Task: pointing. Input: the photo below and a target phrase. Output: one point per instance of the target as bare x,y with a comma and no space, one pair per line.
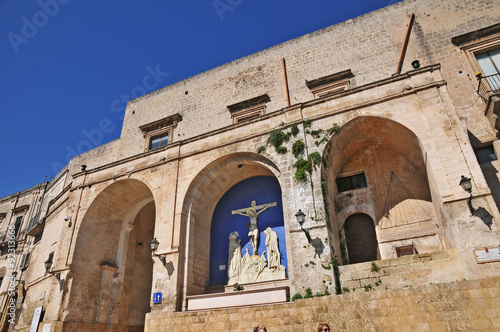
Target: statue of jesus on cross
253,213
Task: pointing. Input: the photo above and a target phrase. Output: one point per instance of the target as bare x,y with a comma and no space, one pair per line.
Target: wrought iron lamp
154,245
301,217
466,184
48,265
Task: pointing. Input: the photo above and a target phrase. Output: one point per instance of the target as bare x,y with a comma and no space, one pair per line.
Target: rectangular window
159,133
249,109
482,49
158,141
37,238
489,62
25,260
351,182
330,85
248,114
17,225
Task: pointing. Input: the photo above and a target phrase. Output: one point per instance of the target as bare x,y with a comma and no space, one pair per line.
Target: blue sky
67,67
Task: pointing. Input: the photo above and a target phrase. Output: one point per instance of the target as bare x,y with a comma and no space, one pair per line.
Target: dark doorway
361,238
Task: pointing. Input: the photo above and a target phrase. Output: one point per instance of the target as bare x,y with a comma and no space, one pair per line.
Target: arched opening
206,190
231,225
361,238
376,166
112,265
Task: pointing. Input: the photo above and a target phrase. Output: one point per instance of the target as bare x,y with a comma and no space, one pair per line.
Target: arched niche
204,193
395,192
261,189
112,264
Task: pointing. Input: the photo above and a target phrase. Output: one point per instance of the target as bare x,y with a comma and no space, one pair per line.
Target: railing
37,219
487,85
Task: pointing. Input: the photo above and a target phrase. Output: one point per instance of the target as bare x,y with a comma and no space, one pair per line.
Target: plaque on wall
487,255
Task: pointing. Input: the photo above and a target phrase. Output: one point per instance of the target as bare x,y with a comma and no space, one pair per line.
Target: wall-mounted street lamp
48,265
466,184
154,245
301,217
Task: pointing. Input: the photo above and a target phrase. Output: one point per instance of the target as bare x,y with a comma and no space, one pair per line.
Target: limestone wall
202,99
469,305
402,272
208,155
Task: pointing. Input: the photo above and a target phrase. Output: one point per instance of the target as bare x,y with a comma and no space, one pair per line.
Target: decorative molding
161,127
165,122
249,109
476,42
330,84
474,36
19,209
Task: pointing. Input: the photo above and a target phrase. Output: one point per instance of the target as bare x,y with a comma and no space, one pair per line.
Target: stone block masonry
467,305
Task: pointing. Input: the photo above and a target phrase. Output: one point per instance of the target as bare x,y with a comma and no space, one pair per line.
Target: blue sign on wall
157,298
263,190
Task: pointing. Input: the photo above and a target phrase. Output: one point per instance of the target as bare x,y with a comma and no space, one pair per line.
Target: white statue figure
260,265
234,257
251,268
253,213
273,252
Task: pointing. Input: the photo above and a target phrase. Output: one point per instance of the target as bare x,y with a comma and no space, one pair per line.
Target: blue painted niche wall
262,189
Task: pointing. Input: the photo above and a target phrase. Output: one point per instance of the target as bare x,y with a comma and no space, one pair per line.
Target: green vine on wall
277,138
302,166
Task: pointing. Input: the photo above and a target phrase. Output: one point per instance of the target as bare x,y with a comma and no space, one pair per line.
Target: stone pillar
104,304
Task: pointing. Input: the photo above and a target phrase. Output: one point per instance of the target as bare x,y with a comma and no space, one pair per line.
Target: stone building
368,129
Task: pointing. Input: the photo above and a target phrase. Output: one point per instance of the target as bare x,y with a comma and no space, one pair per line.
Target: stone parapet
471,305
402,272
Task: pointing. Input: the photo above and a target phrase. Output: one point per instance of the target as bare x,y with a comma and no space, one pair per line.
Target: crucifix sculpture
253,213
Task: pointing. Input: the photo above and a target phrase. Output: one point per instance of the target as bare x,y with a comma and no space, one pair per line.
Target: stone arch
201,198
392,159
361,238
112,265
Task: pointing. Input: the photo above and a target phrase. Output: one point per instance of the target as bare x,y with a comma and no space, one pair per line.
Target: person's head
261,328
322,327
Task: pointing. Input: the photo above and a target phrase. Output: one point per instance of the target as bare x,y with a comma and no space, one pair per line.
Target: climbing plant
277,138
302,166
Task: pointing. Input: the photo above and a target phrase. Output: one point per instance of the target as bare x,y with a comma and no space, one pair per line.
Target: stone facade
470,305
376,170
